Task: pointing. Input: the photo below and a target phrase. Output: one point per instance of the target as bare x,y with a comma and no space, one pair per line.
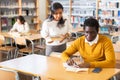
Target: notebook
73,69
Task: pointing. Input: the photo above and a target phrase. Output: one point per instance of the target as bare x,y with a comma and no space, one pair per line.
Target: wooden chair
28,49
6,49
41,46
6,74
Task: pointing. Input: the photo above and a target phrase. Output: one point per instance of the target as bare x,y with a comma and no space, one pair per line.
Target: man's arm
72,49
109,61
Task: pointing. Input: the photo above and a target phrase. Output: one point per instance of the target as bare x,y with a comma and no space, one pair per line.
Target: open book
73,69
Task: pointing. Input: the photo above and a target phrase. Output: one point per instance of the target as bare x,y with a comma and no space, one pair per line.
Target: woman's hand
50,41
14,30
63,37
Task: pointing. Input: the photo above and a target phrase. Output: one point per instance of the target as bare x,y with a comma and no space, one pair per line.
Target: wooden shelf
109,10
76,9
73,8
13,8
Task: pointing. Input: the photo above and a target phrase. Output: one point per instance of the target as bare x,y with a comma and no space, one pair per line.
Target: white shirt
92,42
20,27
50,29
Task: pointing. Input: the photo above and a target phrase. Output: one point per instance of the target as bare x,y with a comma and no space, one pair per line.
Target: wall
42,10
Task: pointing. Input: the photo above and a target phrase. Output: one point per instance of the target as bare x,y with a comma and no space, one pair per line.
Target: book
119,13
73,69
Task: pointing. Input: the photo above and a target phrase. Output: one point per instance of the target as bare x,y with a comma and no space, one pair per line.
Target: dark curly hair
91,22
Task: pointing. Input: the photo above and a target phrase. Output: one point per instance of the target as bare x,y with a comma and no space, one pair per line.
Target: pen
74,63
81,59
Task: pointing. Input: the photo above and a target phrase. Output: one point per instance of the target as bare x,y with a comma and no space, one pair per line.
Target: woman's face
18,21
58,14
90,33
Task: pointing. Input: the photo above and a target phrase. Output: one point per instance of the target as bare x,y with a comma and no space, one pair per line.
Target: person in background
56,29
20,25
96,50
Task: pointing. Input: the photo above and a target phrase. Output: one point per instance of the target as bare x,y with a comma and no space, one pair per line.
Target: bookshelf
10,9
82,10
109,12
65,3
77,10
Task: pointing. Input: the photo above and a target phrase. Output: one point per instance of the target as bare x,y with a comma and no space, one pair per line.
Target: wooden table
51,68
6,34
28,36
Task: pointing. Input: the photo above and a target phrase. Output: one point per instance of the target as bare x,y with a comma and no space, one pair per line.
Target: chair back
20,41
6,74
2,39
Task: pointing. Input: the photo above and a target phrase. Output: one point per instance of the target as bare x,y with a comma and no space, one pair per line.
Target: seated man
95,49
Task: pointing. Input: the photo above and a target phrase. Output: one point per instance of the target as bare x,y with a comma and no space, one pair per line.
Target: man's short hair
91,22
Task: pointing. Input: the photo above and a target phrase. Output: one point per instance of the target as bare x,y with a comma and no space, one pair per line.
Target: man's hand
72,62
84,65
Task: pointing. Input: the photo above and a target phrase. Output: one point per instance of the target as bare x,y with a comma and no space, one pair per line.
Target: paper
73,69
15,34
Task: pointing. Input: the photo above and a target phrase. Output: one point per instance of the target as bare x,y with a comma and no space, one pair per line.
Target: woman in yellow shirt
95,49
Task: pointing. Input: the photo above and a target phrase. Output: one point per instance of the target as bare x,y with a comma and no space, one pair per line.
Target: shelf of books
109,12
65,3
10,9
30,12
82,9
77,10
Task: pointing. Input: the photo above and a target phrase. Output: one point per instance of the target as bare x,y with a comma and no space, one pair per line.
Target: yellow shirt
100,54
